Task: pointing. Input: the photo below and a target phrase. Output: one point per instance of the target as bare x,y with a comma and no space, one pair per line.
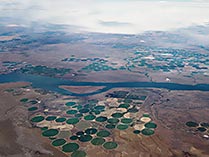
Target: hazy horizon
130,17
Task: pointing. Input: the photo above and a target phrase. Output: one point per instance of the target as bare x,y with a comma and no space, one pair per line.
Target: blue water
52,84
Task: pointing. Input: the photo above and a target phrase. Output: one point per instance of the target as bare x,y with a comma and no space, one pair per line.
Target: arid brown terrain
168,109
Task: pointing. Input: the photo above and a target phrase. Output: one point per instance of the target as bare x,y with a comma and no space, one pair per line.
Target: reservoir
52,84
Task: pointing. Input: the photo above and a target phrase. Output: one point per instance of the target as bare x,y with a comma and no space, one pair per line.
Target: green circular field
133,110
126,120
99,107
113,120
124,106
97,141
110,126
44,128
136,131
101,119
50,118
52,138
79,133
91,131
201,129
33,102
146,115
78,107
32,108
72,121
110,145
78,153
71,111
60,120
96,112
204,124
122,127
191,124
37,119
70,147
127,100
84,110
50,132
58,142
150,125
85,138
24,100
70,103
148,132
117,115
78,115
74,137
89,117
103,133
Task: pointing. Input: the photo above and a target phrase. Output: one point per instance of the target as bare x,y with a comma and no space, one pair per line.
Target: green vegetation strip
70,147
97,141
37,119
78,153
50,132
110,145
58,142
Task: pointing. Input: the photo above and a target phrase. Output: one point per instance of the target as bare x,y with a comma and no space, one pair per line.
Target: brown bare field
17,137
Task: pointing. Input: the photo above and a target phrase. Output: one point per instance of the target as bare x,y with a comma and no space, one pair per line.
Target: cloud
114,23
118,16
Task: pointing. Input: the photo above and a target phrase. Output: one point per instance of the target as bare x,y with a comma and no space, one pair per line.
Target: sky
108,16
